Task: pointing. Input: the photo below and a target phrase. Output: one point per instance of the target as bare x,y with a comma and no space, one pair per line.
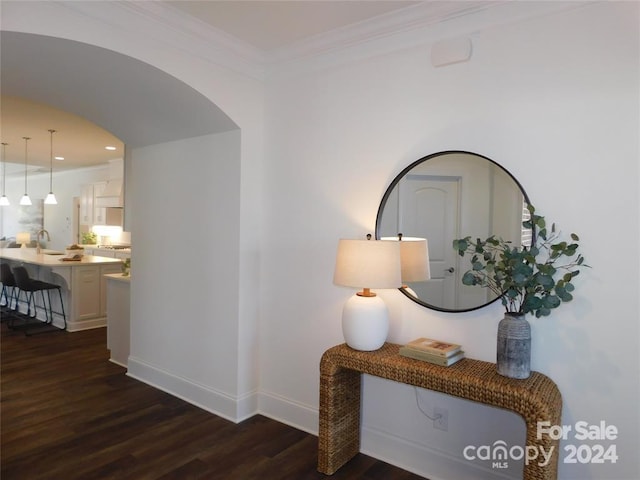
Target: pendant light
51,198
25,200
4,201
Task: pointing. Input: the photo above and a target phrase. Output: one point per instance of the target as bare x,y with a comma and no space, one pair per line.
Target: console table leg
539,468
339,428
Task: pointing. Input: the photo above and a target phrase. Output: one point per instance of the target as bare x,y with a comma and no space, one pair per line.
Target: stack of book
433,351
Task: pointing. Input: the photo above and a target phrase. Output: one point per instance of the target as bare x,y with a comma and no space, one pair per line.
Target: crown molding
415,26
397,22
171,29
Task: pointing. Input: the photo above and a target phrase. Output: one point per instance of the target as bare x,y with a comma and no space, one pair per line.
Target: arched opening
137,102
183,182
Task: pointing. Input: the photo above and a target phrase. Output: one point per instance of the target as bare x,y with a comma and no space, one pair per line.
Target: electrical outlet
441,418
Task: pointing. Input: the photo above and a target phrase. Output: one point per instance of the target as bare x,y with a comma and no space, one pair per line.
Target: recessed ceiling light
109,147
59,158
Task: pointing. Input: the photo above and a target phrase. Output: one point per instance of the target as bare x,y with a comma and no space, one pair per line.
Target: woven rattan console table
535,399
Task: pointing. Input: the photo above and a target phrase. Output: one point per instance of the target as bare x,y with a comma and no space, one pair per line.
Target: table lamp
414,260
23,238
366,264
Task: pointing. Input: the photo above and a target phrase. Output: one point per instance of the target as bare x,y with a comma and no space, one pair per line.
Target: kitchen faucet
41,232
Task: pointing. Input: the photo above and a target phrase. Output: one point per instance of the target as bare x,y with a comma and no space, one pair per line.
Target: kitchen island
83,284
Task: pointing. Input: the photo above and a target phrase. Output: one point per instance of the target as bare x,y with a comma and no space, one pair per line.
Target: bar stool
9,288
30,286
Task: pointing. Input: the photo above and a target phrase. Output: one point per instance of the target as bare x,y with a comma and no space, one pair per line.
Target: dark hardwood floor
68,413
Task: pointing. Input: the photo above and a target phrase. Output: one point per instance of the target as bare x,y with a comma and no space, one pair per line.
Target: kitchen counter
105,251
51,257
118,277
82,283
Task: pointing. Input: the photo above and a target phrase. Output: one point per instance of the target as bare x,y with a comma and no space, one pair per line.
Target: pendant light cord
4,166
51,163
26,139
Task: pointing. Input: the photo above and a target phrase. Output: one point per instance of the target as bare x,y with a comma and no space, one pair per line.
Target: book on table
408,352
434,347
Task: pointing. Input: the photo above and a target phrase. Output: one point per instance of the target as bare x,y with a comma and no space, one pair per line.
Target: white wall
184,297
555,101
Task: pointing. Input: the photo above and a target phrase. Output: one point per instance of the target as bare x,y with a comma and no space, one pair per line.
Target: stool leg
50,314
31,299
64,316
6,296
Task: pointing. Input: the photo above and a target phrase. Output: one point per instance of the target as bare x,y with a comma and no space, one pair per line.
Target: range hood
111,196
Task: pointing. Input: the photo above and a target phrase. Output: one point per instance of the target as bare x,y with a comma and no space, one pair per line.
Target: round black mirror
449,195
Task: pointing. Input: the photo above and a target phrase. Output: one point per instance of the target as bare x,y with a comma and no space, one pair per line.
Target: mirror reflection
448,195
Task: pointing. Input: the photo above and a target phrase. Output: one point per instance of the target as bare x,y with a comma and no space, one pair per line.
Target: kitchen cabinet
90,211
99,213
91,288
118,318
86,205
106,270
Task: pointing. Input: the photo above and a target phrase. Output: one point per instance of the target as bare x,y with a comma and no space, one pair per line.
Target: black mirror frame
395,182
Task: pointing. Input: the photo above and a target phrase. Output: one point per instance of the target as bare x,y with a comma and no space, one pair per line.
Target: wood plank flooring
68,413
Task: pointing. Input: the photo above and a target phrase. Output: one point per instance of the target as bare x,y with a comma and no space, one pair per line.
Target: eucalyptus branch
525,278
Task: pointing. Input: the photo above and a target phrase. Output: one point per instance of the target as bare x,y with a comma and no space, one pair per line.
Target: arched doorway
185,154
137,102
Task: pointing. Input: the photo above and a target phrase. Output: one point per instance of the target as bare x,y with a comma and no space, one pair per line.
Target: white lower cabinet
91,287
118,301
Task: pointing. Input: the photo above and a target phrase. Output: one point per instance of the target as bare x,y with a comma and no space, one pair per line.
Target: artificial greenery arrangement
89,238
533,279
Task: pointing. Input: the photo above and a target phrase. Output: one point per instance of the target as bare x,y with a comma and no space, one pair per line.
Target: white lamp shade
25,200
368,264
51,199
414,258
23,238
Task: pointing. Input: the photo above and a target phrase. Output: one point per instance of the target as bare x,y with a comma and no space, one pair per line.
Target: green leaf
551,301
546,281
469,279
461,245
566,297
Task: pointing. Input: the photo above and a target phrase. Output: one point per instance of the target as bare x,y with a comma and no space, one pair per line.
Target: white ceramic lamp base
365,323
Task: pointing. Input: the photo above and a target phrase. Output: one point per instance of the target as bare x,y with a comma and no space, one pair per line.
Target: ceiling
265,25
269,25
80,142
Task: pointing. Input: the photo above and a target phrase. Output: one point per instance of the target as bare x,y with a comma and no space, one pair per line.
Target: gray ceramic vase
514,346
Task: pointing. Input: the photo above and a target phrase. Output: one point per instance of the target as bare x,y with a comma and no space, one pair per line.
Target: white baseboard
297,415
83,324
422,460
219,403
